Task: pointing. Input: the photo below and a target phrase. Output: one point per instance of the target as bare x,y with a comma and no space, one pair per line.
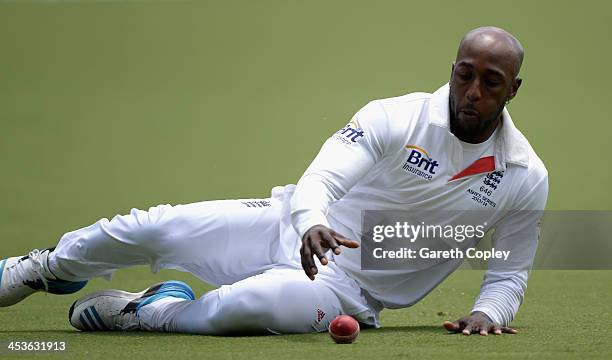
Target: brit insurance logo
349,134
420,163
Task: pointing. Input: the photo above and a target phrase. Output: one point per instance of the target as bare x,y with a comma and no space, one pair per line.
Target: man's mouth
469,112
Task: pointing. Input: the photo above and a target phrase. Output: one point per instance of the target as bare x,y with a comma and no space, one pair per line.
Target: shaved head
495,41
484,78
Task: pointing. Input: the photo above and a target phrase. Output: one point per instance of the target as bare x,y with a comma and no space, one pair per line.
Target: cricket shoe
21,277
118,310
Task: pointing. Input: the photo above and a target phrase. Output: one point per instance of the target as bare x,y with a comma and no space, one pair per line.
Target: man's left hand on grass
477,323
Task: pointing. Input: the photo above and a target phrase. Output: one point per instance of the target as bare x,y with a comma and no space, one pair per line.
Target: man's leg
219,241
279,301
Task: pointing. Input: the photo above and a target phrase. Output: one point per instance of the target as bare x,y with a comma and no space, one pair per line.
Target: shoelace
22,270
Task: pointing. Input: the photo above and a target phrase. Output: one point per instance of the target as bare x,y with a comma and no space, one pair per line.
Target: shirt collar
511,146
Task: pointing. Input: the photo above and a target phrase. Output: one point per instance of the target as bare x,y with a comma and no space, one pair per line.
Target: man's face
482,80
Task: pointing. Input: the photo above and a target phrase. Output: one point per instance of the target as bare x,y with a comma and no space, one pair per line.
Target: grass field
566,315
108,105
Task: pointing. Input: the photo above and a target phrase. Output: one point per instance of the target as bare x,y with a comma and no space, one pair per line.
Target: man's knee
150,228
241,310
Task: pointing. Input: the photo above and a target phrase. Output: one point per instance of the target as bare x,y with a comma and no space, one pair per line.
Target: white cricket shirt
374,163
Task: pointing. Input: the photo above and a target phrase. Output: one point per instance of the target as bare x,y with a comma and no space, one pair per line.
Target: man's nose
473,94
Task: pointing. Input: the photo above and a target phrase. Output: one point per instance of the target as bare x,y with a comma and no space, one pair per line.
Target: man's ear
516,84
452,69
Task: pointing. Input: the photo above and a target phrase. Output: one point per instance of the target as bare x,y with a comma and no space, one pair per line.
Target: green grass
566,315
108,105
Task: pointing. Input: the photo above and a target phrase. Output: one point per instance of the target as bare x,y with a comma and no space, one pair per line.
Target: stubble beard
461,131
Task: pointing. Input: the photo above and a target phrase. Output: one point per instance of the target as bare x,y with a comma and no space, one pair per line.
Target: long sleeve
344,159
505,282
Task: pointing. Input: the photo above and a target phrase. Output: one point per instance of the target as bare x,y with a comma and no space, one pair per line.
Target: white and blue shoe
118,310
22,276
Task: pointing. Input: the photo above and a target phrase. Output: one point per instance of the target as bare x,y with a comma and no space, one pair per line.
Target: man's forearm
501,299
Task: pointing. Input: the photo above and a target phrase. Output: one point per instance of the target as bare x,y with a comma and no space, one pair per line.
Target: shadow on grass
422,329
63,332
76,333
387,330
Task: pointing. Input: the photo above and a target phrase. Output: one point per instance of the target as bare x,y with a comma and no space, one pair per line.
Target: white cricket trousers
233,244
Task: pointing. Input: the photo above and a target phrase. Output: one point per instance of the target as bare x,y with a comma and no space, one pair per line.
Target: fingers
493,329
319,252
307,262
498,330
342,240
338,236
455,326
316,242
508,330
467,330
472,327
464,325
331,243
311,246
451,326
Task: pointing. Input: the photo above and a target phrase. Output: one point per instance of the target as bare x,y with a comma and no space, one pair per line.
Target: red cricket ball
344,329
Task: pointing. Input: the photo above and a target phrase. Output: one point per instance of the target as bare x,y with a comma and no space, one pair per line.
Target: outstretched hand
316,241
479,323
